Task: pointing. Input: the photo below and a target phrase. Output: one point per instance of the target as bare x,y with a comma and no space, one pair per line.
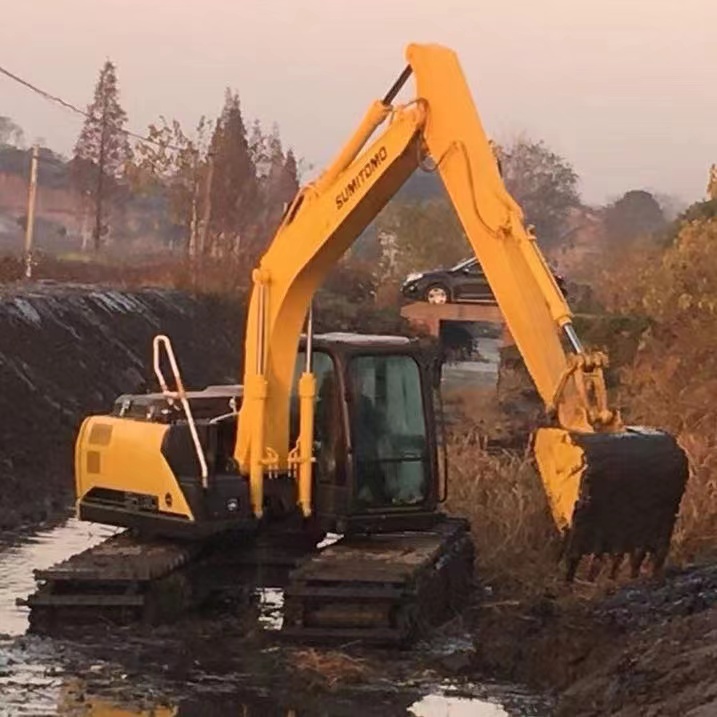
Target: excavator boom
441,126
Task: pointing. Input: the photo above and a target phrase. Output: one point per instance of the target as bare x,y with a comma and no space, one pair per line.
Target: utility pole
31,201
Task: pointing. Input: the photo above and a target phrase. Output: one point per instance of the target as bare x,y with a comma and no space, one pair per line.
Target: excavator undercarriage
381,589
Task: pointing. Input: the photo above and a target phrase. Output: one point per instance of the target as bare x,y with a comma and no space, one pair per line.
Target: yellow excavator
337,433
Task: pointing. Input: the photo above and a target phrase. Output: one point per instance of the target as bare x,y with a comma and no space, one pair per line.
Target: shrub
672,381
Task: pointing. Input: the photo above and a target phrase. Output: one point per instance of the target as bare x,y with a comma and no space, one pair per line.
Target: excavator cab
375,441
374,445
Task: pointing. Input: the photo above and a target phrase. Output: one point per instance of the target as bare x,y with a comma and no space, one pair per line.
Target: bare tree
11,133
175,164
542,182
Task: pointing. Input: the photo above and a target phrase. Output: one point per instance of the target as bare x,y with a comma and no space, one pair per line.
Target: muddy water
52,677
36,552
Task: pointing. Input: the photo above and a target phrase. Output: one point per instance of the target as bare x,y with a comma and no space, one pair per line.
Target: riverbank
67,351
644,648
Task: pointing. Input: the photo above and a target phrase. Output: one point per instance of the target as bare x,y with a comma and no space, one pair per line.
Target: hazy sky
625,89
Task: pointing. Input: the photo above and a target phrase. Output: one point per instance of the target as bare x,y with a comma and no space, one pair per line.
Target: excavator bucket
612,494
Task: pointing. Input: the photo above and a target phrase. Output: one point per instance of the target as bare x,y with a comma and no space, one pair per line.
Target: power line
73,108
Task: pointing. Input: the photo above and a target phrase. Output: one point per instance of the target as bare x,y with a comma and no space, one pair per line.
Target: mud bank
69,350
639,650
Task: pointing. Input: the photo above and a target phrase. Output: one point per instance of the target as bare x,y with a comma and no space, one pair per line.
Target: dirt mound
70,350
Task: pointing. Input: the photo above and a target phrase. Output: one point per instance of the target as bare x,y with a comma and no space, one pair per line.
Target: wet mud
227,659
645,648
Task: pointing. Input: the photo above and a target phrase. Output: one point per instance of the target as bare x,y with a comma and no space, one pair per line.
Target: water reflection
37,552
442,706
430,706
271,604
35,672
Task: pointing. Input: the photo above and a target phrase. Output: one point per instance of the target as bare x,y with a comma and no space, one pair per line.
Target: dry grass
330,668
227,276
517,544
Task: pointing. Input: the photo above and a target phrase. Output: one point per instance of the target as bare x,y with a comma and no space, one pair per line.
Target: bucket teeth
612,563
637,557
616,564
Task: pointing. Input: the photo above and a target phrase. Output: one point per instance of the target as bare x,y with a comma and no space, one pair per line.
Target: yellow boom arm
442,124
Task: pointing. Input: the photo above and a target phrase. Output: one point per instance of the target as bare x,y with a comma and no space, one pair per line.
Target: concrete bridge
456,324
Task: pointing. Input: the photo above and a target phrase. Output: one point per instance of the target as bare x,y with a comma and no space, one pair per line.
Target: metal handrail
159,341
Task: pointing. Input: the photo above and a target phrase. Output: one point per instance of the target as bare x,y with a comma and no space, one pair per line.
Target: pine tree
280,184
257,149
102,148
275,169
234,186
289,178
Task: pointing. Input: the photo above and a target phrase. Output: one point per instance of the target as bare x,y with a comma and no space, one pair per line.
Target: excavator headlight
233,505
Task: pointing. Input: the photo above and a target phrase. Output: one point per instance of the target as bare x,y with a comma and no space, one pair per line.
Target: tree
635,215
234,187
277,175
672,205
280,184
174,165
102,148
11,133
418,235
289,184
258,149
698,212
542,182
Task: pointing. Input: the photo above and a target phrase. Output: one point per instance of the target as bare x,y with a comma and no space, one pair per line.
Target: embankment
70,350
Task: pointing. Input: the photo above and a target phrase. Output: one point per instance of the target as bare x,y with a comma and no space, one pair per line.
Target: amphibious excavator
337,433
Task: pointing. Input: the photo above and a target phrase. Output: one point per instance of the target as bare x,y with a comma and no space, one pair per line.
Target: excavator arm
441,126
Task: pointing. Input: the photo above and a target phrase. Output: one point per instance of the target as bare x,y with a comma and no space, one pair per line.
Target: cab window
389,431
